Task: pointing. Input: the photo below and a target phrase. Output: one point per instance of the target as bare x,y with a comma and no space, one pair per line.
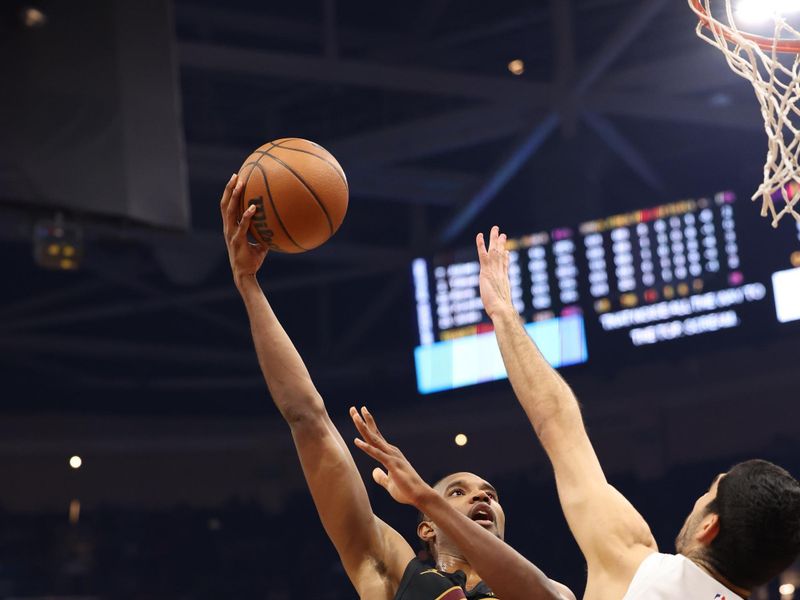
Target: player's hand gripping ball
300,193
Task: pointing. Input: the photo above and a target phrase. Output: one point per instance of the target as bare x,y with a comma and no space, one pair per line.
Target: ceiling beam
439,134
661,107
370,74
507,167
227,292
689,73
625,149
273,27
564,49
98,348
631,28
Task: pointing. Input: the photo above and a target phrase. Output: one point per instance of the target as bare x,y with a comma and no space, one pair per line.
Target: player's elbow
562,423
305,411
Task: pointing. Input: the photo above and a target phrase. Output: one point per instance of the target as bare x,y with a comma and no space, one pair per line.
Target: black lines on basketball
272,204
322,158
307,186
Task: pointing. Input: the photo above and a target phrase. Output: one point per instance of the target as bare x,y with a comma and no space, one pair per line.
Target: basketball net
772,65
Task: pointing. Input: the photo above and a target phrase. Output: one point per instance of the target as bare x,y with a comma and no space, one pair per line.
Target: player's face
686,541
476,498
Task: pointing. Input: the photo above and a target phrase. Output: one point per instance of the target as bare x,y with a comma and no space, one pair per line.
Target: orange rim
765,43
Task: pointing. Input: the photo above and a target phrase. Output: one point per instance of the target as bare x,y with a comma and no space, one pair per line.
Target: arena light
786,589
461,440
75,462
33,17
759,11
516,66
57,244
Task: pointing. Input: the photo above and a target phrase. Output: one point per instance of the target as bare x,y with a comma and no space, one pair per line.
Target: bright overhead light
75,462
461,440
787,589
759,11
33,17
517,66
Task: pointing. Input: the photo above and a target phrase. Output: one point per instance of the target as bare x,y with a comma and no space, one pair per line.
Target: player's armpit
372,553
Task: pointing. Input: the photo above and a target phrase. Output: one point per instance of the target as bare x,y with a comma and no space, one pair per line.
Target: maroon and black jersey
423,582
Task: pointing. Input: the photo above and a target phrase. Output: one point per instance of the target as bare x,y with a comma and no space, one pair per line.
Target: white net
774,70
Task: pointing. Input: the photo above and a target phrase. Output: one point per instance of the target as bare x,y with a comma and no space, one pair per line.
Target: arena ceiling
620,106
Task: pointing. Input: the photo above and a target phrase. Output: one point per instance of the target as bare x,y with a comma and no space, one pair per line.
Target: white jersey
675,577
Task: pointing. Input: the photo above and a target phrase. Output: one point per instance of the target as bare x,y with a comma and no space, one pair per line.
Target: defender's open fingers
368,430
381,478
362,427
371,451
370,421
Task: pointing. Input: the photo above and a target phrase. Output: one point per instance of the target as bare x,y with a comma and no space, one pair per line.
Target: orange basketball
300,193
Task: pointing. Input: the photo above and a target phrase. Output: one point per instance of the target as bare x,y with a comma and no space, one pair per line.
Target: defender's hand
494,284
246,258
400,479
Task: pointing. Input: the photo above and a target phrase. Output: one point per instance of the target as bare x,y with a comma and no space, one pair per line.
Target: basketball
300,192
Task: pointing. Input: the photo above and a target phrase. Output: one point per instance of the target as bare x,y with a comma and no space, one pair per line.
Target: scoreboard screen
609,287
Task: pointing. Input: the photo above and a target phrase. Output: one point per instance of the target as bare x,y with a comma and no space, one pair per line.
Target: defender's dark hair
758,504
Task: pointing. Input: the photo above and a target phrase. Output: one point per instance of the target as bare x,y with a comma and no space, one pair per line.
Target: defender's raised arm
612,535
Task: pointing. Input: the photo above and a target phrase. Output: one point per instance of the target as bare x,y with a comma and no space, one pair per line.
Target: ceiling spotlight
75,462
786,589
759,11
461,440
517,66
33,17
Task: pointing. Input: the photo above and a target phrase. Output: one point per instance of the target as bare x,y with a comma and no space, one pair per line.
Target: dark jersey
423,582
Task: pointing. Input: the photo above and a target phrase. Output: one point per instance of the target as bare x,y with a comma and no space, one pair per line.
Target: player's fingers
481,245
371,451
501,242
380,477
235,201
361,426
244,224
373,426
223,205
226,193
493,235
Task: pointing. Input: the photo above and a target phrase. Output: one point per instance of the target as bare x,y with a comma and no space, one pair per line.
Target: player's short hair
426,548
758,504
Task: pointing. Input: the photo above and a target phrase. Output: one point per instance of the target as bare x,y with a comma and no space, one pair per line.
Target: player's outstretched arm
373,554
510,575
611,533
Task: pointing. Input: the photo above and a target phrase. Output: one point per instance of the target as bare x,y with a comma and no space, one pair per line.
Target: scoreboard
610,286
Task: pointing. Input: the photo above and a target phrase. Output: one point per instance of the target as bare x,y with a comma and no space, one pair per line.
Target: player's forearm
546,398
510,575
286,375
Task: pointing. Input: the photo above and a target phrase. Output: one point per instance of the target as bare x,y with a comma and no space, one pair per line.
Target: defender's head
470,495
747,525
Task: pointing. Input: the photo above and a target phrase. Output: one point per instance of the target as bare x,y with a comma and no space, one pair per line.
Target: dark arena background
602,135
